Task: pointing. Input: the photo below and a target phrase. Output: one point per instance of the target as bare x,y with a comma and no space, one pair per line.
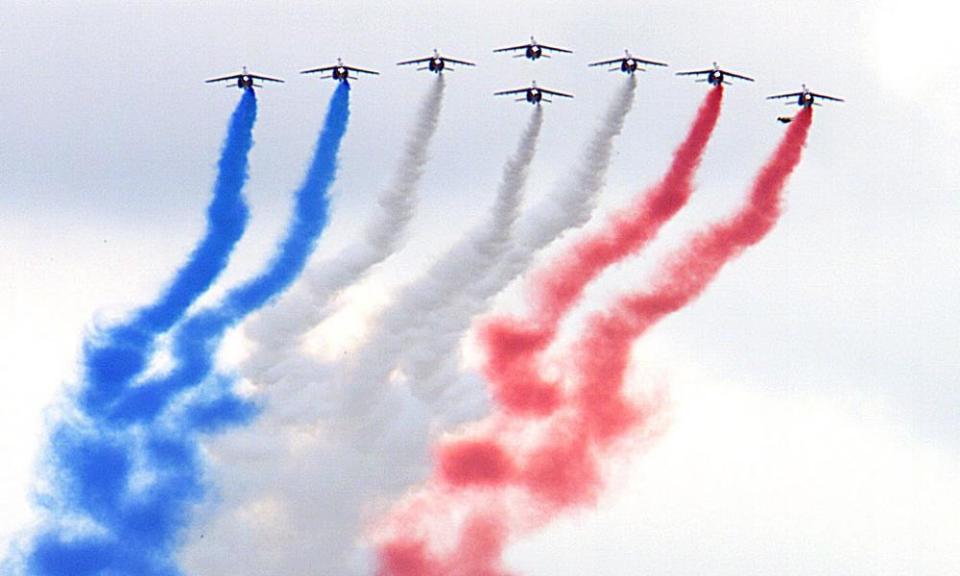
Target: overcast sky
815,385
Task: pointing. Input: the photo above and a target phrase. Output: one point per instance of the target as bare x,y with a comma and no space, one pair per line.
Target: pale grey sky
110,138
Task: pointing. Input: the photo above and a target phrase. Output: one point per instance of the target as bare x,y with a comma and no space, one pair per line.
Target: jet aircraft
340,71
715,76
435,63
245,80
628,64
805,98
533,94
533,50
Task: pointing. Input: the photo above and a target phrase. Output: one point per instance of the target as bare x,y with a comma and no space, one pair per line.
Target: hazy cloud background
815,384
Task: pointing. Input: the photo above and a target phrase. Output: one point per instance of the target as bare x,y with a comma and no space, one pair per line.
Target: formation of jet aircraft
533,50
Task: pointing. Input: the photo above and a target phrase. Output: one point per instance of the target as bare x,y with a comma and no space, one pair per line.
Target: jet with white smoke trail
276,332
432,365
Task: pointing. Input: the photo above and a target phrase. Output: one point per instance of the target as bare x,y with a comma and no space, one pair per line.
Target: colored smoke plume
359,411
515,344
98,515
276,333
510,474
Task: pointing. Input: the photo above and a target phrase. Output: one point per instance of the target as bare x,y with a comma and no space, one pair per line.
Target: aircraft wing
513,48
694,72
461,62
267,78
517,91
361,70
825,97
222,78
555,49
651,62
791,95
313,70
607,62
731,74
555,93
417,61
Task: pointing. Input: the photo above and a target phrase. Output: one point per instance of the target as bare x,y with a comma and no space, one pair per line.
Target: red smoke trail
496,483
514,345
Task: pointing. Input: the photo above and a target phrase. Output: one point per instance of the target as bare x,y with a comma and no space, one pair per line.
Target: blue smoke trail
117,356
136,475
90,465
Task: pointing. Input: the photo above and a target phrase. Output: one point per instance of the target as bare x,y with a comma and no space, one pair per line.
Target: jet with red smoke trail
715,76
628,64
533,94
435,63
805,98
244,80
340,71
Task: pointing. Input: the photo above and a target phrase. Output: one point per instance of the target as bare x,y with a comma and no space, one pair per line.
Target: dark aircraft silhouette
805,98
435,63
715,76
339,72
533,50
245,80
627,64
533,94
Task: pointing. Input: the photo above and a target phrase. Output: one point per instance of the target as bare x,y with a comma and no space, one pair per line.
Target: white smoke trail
328,457
573,203
433,373
277,331
428,318
304,501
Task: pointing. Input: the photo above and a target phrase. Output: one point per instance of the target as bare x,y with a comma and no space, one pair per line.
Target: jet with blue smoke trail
197,339
127,473
89,466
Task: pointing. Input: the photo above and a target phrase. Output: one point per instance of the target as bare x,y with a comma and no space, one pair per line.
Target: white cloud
748,480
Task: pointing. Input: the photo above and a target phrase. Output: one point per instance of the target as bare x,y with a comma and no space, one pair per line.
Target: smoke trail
432,365
359,411
127,478
511,475
429,317
88,468
118,355
197,339
571,205
515,344
363,430
279,328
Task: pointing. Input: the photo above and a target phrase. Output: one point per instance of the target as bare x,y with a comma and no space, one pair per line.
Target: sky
814,387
